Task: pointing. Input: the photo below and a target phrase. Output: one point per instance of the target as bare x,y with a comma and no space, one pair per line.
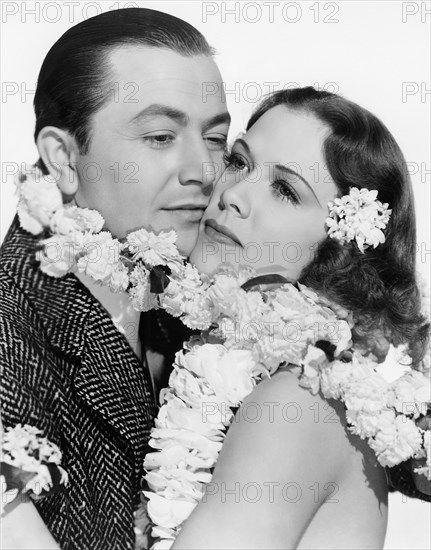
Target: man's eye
234,161
216,141
159,140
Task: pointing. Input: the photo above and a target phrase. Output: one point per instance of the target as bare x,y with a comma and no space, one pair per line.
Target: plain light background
376,53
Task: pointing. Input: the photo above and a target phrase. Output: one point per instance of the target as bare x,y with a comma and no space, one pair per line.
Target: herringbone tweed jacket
67,370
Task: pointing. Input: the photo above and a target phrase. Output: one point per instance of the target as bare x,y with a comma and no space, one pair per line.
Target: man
122,125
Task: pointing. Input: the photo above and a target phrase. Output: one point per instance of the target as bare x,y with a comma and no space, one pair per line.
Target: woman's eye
282,190
159,140
235,161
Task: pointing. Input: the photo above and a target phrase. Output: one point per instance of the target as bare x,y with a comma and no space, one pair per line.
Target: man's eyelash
159,140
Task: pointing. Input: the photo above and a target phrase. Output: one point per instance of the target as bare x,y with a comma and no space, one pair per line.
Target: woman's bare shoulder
284,455
298,432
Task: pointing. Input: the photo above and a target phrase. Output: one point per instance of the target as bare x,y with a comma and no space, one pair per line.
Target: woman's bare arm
275,452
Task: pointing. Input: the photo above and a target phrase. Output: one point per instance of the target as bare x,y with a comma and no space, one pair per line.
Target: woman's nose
236,198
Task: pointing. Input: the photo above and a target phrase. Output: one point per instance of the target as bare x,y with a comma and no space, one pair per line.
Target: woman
317,485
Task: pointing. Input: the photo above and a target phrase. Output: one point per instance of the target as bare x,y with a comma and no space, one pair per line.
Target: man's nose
197,165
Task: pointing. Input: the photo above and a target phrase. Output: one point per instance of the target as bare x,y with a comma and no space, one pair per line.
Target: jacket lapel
113,382
107,374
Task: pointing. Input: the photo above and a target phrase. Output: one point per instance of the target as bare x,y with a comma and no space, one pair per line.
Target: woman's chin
207,266
204,258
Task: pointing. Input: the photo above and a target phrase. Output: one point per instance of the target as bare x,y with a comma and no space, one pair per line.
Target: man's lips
191,206
189,212
220,233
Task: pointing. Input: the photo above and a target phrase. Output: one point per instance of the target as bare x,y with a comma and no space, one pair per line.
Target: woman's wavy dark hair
379,287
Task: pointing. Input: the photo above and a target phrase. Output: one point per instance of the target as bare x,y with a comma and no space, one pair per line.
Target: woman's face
269,207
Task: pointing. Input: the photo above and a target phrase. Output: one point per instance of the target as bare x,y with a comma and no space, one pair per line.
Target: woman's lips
220,233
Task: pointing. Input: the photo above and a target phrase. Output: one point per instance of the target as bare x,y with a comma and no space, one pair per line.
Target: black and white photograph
215,275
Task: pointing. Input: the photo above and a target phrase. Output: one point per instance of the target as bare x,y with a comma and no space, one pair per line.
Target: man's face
157,145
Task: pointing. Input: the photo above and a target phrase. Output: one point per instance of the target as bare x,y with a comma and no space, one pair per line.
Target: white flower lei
259,331
148,266
252,334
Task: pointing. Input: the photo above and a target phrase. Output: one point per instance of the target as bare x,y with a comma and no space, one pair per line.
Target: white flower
39,198
71,219
397,439
88,220
202,447
140,295
59,253
290,304
177,483
188,387
24,448
63,222
168,513
360,216
363,424
186,297
100,255
227,372
366,393
224,293
208,421
119,280
154,249
335,378
411,394
274,350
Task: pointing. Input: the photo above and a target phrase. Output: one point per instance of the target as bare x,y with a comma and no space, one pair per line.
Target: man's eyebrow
156,109
222,118
281,167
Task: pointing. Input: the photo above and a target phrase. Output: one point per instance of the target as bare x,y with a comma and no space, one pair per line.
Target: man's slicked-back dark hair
76,79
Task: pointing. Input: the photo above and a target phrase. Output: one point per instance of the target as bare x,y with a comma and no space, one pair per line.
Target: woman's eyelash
282,190
234,160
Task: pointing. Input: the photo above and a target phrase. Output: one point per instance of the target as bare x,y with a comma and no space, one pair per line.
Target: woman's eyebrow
290,171
244,144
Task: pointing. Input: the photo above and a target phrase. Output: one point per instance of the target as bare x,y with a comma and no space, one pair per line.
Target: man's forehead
150,66
142,76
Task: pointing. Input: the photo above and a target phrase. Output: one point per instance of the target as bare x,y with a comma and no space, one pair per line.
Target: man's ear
58,150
